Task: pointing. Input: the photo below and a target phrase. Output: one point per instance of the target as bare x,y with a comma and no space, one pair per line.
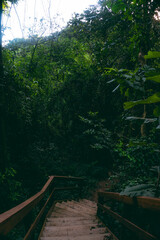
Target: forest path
103,185
74,220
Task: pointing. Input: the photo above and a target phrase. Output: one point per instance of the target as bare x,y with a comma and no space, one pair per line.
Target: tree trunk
143,129
3,145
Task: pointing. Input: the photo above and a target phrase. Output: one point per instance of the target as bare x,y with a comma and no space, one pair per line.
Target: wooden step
73,220
68,212
70,218
83,237
88,202
71,231
77,227
81,206
68,221
76,208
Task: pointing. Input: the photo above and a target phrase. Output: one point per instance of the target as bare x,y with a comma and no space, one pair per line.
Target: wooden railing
9,219
147,203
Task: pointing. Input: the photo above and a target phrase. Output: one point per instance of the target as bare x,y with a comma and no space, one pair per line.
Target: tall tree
3,142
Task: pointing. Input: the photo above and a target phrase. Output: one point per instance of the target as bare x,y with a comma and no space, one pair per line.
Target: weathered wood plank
38,218
11,218
134,228
70,220
143,202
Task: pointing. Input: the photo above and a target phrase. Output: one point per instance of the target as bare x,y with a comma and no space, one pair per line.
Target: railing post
81,188
22,212
27,220
100,201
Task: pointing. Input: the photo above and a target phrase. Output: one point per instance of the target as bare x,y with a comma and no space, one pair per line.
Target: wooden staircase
74,220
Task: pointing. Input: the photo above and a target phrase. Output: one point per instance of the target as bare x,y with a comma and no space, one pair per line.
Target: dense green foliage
84,101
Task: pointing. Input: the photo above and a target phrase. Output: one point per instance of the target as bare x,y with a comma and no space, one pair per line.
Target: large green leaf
139,190
152,99
154,78
152,54
156,111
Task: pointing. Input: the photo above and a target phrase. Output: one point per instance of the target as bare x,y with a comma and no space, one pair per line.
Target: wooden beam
9,219
41,213
143,202
70,178
134,228
38,218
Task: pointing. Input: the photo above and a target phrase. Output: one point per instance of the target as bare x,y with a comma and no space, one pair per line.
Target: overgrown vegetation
83,101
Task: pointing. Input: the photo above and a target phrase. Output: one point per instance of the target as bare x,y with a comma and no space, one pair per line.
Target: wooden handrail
70,178
36,221
10,218
150,203
137,230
